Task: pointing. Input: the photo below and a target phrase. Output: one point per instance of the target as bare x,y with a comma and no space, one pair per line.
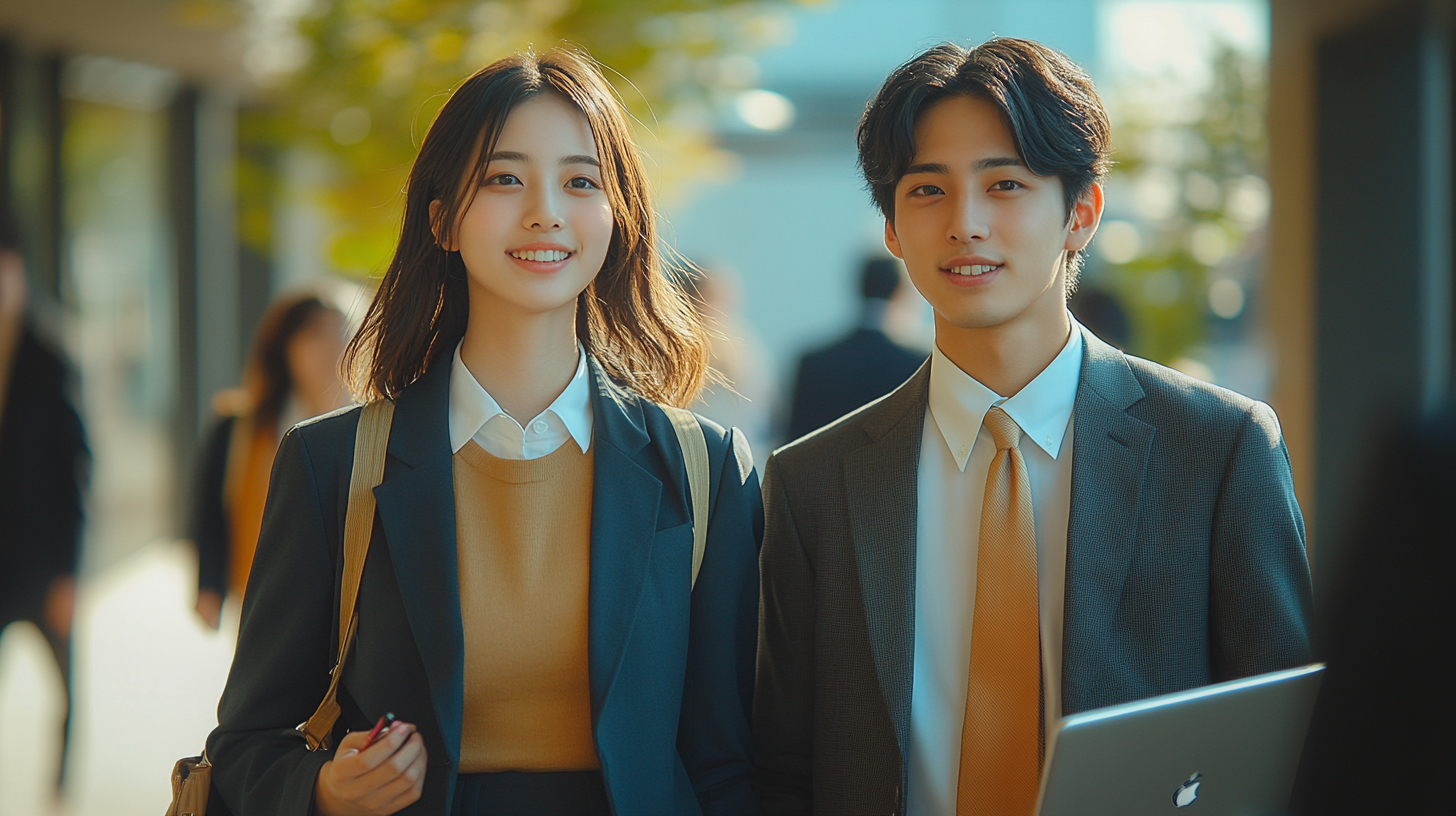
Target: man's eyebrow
997,161
927,168
983,164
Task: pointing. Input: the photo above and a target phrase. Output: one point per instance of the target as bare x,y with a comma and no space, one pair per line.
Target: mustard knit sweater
523,532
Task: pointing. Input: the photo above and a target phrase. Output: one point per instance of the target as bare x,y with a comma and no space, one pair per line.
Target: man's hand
375,781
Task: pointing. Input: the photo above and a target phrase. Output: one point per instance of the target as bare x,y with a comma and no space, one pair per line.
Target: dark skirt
511,793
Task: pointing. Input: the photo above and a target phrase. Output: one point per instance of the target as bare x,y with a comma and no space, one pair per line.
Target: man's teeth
542,255
974,269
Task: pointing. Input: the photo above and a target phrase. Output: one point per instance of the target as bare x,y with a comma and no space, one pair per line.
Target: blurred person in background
1103,314
1380,740
291,375
44,465
747,399
526,609
859,368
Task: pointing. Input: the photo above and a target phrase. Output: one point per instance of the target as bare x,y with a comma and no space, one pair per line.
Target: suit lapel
417,513
1110,454
881,486
625,499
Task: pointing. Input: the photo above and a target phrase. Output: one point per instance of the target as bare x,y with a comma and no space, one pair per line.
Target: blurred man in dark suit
43,464
1381,740
860,368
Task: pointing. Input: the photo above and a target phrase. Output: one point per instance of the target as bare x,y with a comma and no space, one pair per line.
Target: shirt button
539,426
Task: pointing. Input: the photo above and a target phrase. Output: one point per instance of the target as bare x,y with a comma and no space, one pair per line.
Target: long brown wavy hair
632,318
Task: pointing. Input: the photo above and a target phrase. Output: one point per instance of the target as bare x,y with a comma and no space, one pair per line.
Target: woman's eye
583,183
504,179
1007,185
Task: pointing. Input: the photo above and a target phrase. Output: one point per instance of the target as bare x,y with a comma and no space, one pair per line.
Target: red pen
380,729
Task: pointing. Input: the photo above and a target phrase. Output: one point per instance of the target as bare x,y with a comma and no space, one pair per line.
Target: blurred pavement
148,676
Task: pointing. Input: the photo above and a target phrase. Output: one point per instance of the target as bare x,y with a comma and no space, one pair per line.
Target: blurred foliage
361,80
1196,176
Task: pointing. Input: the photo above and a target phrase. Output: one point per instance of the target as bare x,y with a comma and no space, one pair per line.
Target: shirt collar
958,403
471,406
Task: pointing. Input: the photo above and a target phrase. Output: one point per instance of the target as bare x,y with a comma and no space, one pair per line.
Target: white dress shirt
955,456
474,414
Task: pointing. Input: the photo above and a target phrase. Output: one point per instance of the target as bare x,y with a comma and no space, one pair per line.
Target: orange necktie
1001,740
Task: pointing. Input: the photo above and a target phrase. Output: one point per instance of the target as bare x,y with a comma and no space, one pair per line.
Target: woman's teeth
541,255
974,269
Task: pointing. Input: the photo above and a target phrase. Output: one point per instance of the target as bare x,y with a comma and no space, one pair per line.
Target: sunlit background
177,163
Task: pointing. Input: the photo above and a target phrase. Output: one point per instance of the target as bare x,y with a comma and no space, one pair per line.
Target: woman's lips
541,260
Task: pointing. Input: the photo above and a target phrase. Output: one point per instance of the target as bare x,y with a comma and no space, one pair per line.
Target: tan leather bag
192,776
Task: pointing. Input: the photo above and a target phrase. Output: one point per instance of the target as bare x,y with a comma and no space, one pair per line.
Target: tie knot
1004,430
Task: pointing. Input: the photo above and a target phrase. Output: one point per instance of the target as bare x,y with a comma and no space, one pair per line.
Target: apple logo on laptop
1187,792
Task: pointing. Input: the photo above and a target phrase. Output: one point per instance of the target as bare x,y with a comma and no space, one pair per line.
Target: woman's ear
447,242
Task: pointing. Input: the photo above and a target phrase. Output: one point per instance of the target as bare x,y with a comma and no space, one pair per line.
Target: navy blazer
671,669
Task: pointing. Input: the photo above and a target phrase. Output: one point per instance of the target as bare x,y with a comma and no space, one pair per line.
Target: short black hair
879,278
1049,104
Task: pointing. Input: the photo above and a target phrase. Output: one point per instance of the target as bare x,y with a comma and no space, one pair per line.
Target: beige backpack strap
371,442
695,457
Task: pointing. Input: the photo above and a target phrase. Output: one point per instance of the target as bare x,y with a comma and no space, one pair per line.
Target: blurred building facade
1360,261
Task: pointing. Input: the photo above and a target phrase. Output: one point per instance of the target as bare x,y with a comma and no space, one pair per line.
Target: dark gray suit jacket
1185,566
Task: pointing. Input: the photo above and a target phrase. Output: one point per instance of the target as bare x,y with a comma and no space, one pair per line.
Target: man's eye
926,190
1007,185
583,183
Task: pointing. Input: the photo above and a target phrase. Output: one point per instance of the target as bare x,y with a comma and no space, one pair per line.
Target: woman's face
313,358
537,230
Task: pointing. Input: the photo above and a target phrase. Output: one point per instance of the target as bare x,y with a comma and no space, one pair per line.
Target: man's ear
1086,215
892,241
448,243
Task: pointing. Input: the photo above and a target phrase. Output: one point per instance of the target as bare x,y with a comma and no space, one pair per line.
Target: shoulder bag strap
695,456
371,442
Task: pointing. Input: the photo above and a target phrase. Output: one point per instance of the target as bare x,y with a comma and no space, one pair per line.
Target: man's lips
971,266
960,272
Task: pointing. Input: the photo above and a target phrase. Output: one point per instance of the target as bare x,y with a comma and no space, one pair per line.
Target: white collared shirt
955,456
474,414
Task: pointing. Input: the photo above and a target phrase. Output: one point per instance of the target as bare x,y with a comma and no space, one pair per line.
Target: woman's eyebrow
511,155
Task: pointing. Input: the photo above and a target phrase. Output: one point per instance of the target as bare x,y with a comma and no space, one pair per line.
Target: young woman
525,609
292,374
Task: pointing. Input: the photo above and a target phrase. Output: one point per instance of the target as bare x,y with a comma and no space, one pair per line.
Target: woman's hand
382,779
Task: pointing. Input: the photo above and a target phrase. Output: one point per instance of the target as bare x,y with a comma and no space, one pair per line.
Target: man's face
983,237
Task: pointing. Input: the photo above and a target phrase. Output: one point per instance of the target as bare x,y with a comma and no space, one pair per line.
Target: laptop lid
1229,748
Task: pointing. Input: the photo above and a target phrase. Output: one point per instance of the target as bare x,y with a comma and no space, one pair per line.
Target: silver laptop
1230,748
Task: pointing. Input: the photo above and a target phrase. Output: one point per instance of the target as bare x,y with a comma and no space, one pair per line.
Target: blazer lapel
625,499
1110,454
417,513
881,486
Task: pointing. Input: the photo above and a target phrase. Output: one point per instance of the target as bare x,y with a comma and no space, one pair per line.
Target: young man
1035,524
